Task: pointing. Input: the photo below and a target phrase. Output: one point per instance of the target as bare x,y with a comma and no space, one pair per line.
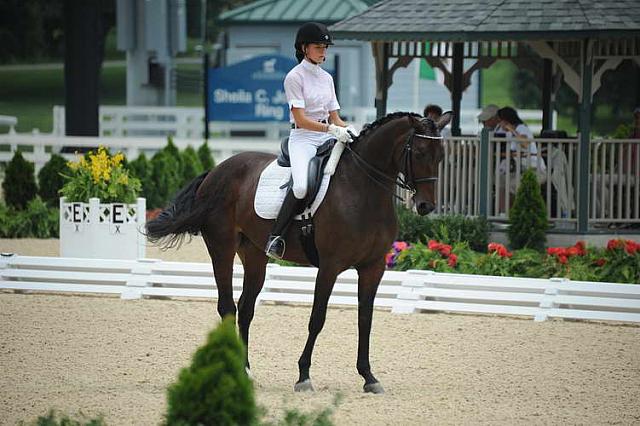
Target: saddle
316,167
315,176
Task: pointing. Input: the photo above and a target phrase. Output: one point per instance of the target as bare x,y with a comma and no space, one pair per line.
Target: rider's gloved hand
341,133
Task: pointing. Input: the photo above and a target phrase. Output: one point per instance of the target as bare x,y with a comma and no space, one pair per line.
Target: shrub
53,419
528,217
191,166
141,169
215,389
166,178
206,159
448,229
102,176
620,262
435,256
51,179
37,220
19,182
172,151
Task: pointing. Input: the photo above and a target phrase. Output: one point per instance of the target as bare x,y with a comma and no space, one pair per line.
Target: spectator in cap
490,120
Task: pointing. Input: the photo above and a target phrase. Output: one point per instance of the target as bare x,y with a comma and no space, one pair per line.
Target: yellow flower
117,159
123,179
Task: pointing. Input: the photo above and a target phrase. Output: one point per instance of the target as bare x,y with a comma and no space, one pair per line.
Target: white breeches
302,148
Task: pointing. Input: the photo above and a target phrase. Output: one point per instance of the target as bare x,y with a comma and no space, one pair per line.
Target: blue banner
251,90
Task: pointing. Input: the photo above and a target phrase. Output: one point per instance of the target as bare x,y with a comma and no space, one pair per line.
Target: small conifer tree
19,183
215,388
165,174
141,168
206,159
528,221
191,165
51,179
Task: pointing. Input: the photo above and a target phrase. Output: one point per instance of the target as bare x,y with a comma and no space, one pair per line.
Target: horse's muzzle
425,207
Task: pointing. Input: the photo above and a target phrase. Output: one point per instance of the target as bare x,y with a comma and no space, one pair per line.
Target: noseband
409,182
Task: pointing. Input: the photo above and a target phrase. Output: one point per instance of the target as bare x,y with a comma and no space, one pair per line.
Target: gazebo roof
294,11
475,20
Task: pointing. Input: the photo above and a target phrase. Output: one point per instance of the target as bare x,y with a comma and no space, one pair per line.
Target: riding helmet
311,32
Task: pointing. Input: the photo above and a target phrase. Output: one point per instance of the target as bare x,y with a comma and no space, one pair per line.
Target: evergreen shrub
215,388
191,165
206,159
166,178
448,229
19,183
51,179
141,169
528,221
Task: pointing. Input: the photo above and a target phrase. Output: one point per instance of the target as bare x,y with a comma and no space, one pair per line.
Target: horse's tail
183,216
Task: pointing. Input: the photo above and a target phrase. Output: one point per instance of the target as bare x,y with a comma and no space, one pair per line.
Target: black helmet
311,32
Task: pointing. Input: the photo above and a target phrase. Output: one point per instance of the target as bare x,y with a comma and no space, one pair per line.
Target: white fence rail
37,148
188,122
402,292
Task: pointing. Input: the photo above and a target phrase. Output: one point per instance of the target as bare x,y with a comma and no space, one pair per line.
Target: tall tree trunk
83,57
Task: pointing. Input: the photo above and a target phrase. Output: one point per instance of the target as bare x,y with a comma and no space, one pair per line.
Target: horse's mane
370,127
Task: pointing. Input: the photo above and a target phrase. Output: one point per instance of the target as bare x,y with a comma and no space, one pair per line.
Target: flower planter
102,231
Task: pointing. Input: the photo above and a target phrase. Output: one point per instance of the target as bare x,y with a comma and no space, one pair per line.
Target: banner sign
251,90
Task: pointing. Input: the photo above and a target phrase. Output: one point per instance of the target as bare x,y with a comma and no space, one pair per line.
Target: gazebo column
381,60
585,97
456,92
547,89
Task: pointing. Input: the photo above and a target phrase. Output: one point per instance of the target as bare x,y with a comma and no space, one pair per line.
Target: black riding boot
275,243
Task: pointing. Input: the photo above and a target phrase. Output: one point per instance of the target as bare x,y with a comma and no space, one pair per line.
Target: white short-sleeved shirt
310,87
523,130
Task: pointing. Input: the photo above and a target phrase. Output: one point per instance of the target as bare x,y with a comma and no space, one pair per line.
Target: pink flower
453,260
400,245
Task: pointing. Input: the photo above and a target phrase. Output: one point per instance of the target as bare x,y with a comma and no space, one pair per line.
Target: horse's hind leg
222,252
255,262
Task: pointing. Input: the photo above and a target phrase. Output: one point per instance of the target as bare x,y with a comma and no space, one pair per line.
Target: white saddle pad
269,196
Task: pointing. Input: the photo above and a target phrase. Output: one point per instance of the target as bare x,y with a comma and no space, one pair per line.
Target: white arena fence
402,292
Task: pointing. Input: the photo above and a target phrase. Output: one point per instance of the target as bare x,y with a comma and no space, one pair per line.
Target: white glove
341,133
352,130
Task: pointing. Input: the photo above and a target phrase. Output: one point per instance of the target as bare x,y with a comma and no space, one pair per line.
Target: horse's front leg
368,280
325,280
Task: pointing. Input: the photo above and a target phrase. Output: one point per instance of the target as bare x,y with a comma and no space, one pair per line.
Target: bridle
408,181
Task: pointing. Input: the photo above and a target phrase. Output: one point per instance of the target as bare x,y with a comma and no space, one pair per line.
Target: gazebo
579,40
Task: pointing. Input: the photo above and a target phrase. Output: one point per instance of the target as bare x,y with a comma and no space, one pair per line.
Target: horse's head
422,152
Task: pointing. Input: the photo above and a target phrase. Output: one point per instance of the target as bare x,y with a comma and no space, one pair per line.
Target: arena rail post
408,294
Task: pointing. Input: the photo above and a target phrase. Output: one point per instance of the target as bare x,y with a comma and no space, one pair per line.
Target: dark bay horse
354,226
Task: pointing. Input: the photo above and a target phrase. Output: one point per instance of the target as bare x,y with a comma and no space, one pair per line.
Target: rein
380,178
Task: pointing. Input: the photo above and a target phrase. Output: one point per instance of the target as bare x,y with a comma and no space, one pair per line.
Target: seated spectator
434,112
521,142
490,120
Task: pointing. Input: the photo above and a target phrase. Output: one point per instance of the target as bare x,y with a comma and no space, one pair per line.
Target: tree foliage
19,183
215,388
528,221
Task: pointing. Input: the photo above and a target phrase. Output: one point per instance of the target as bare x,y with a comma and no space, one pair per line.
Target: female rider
314,118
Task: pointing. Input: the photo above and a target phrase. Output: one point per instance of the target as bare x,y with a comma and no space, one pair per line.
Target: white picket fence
402,292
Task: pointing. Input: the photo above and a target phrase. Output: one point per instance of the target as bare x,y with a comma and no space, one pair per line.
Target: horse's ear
444,120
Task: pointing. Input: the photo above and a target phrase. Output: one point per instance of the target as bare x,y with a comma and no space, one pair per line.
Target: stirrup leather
275,247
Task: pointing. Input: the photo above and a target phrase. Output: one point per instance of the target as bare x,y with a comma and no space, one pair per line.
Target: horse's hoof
304,386
374,387
246,369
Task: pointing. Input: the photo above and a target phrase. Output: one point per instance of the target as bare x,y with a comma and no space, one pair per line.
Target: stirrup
275,247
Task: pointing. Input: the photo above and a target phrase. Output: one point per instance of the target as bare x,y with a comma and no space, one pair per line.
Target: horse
355,225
